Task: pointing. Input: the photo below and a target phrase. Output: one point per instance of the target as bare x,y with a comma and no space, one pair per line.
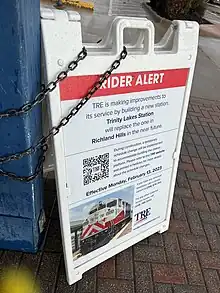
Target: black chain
42,144
40,97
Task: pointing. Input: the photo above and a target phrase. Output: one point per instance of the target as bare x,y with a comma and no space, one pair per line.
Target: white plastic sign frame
116,161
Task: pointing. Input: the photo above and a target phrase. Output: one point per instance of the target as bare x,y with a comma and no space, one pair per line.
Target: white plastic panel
116,161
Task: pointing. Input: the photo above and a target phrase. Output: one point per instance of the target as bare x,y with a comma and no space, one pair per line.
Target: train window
112,203
119,202
101,206
93,211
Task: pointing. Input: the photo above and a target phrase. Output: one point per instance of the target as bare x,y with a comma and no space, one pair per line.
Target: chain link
42,144
50,87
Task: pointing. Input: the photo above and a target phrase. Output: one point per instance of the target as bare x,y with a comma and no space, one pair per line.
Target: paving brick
183,192
203,104
216,132
206,108
178,226
217,151
163,288
124,265
114,286
203,123
196,176
213,236
205,140
217,170
196,109
198,166
208,131
88,283
48,271
195,223
206,120
10,259
182,179
185,128
196,190
216,119
172,249
202,152
212,201
206,114
211,163
216,109
212,175
192,150
211,153
190,108
62,285
198,205
188,122
207,186
214,125
31,261
194,117
186,159
190,126
210,218
106,269
192,266
149,253
188,289
178,209
212,281
156,240
197,101
218,196
184,150
196,139
210,260
143,277
187,137
144,241
214,142
186,167
199,128
171,274
193,242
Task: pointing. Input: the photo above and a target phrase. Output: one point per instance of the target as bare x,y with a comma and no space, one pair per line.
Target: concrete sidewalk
206,83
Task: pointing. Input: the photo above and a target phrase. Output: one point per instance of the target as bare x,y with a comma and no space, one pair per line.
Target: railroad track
213,8
212,17
212,14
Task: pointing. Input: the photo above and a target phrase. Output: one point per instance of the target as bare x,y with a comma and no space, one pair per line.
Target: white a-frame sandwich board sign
116,160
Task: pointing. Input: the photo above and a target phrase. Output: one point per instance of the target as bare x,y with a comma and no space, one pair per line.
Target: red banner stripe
99,225
76,87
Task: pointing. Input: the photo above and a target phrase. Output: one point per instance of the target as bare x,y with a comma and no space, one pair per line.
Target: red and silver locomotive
104,221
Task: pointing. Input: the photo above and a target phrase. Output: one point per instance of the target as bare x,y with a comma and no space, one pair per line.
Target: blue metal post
20,203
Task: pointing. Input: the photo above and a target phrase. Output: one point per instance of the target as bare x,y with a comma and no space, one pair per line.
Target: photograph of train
96,223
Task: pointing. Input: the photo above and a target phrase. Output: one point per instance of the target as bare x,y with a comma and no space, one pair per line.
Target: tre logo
142,215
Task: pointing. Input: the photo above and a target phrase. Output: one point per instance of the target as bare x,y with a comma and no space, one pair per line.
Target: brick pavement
186,259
